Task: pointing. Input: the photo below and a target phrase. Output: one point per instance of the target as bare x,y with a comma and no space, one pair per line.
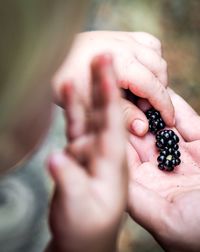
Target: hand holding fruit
173,199
139,67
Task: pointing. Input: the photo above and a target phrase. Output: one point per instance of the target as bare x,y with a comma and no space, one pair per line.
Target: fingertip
55,162
139,127
67,91
169,116
98,66
101,60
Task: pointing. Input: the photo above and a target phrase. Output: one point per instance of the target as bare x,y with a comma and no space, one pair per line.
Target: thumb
134,118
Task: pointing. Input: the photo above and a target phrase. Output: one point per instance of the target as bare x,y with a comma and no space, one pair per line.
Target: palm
186,176
174,194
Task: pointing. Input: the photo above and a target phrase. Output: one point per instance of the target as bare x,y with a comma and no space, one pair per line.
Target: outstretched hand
91,176
167,204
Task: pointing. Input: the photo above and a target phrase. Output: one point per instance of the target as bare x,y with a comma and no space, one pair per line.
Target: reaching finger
108,101
144,84
106,98
104,80
74,110
134,118
187,120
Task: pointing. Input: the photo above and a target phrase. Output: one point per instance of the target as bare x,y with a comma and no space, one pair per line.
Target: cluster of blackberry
166,142
156,122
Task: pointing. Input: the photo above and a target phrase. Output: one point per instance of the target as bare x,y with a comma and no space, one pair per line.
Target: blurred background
24,193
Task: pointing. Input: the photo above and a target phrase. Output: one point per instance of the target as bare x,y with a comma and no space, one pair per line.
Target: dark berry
161,158
171,168
177,153
171,133
166,141
156,123
173,162
161,166
168,163
164,152
178,161
166,135
170,150
170,142
175,138
175,147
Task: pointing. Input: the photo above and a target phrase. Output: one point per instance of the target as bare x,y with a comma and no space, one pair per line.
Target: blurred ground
177,24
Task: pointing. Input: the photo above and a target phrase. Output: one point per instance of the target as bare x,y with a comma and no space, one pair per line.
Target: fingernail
138,127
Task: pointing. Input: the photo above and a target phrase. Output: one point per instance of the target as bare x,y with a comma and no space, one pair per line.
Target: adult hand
91,177
167,203
139,67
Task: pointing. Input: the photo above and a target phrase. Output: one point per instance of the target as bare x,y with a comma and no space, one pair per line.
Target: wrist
106,242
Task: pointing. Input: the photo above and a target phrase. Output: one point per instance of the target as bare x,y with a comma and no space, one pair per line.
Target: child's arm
91,175
139,67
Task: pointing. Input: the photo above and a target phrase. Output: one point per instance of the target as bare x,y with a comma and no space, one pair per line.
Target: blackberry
156,123
167,139
167,143
167,161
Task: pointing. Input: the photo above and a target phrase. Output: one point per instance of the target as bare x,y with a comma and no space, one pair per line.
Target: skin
90,175
167,204
139,67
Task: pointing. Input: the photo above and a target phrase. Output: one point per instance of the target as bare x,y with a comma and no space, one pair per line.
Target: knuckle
159,89
154,41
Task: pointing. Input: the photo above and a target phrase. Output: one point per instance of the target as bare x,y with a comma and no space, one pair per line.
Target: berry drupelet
166,142
156,123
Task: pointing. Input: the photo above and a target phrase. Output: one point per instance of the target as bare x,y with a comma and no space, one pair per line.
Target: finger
154,217
104,82
156,64
107,102
74,111
147,40
66,173
144,84
187,120
134,118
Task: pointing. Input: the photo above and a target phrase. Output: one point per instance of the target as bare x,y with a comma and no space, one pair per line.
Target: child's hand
91,177
168,203
139,67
